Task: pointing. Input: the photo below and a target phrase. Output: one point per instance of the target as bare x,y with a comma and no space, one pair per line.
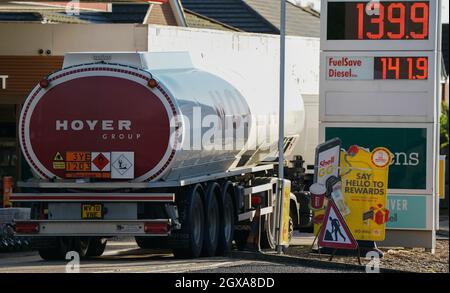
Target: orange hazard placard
78,156
78,166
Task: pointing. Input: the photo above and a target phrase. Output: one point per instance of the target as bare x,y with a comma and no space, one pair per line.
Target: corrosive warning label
123,165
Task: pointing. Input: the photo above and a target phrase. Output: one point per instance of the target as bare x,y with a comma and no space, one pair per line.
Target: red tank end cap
100,114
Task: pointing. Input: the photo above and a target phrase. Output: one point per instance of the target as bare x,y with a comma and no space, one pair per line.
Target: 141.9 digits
393,20
411,68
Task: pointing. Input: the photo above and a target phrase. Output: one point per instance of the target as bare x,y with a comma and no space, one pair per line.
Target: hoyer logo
3,79
110,129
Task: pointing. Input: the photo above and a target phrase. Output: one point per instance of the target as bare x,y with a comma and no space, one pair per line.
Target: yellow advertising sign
285,212
362,198
364,186
442,177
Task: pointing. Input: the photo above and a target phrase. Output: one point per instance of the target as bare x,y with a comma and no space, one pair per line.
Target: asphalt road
125,257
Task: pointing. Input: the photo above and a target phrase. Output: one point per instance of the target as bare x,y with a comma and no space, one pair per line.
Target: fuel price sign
380,69
378,20
377,67
386,21
388,86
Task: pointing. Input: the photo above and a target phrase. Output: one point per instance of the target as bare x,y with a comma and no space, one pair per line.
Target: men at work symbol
336,229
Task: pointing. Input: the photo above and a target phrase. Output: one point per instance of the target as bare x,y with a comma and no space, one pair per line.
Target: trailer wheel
240,238
50,254
96,247
226,226
268,240
81,245
212,221
58,250
193,226
143,242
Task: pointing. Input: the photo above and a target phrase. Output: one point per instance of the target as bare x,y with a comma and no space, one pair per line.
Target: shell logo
327,170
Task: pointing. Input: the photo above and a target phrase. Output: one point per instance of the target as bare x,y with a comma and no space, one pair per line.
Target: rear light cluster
156,227
44,83
256,200
27,228
152,83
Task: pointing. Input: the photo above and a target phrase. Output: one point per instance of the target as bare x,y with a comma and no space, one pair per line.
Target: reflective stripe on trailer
101,197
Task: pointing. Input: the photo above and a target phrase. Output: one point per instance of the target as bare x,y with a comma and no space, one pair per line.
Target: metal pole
281,122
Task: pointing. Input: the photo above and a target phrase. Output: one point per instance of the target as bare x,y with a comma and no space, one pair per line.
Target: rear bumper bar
96,227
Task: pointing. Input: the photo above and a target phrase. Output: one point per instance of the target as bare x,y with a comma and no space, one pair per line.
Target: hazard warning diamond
101,162
122,165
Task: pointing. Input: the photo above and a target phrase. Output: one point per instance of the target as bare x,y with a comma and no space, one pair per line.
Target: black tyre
151,242
240,238
96,247
268,240
58,249
193,226
143,242
226,231
212,221
81,245
50,254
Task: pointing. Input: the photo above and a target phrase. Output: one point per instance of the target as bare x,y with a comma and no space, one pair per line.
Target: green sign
407,212
408,169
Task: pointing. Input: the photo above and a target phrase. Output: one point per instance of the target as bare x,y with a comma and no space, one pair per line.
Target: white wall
253,57
444,10
28,38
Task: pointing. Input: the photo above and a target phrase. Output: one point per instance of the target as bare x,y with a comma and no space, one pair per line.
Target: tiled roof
121,13
299,21
196,20
235,13
259,16
57,17
161,14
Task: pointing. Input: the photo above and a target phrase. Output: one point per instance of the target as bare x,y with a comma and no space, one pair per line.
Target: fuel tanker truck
146,145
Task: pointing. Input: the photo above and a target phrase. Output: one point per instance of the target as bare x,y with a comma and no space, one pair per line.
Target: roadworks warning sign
335,233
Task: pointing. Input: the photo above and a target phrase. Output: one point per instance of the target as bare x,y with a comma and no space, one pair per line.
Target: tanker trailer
147,145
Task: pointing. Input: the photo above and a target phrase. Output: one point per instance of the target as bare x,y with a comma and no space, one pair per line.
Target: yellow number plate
92,211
